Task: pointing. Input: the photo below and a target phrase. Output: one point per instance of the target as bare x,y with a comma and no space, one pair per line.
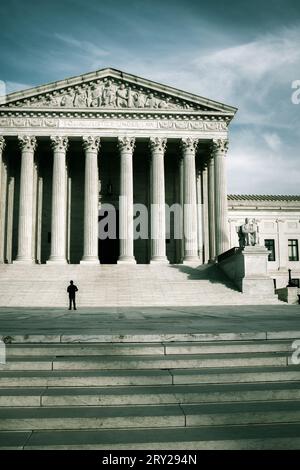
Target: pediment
110,89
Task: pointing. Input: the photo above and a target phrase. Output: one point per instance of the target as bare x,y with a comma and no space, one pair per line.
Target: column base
126,260
190,260
159,260
90,261
56,261
23,261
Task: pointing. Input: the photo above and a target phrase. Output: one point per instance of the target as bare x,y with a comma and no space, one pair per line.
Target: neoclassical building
71,146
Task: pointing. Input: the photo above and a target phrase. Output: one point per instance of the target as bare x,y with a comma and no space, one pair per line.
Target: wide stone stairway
117,285
238,393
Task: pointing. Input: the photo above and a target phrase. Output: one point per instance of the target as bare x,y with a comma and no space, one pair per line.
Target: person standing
72,289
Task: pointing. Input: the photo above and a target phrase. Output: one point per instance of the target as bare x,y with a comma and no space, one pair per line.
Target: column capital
91,142
126,144
157,144
27,142
189,144
59,142
219,146
2,143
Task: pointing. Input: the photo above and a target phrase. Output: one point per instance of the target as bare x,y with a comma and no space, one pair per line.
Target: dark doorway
108,249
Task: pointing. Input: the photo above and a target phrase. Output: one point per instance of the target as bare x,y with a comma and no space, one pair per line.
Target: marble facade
108,136
70,147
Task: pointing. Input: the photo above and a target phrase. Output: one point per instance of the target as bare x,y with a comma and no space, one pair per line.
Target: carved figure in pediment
96,95
68,100
139,99
131,99
151,101
80,98
122,96
167,103
50,100
109,94
163,103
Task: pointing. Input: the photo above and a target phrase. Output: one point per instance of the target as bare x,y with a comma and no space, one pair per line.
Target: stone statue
122,97
52,101
139,99
151,101
248,233
96,93
109,94
67,100
80,98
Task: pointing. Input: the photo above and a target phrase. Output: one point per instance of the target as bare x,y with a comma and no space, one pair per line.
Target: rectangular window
270,245
293,250
296,282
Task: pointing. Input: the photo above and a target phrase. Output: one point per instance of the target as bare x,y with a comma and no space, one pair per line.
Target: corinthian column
158,225
189,146
90,239
3,198
126,146
222,233
25,254
211,209
200,216
205,214
59,201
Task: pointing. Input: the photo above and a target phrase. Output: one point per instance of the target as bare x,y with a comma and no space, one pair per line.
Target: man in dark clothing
72,289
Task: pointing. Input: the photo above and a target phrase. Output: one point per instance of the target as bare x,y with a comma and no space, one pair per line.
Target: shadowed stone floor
150,321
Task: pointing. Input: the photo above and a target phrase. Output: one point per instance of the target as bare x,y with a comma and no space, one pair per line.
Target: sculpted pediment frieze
106,93
111,93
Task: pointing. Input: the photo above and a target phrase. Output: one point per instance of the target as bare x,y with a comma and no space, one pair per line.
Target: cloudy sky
245,54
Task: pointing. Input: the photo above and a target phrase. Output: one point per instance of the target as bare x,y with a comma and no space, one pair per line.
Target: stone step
80,349
113,285
185,415
102,378
90,417
236,375
148,395
130,336
279,437
145,362
95,378
128,349
219,347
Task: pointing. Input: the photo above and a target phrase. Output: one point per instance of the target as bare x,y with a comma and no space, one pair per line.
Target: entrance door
108,249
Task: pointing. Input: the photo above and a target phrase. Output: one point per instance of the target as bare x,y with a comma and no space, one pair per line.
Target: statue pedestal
247,268
288,294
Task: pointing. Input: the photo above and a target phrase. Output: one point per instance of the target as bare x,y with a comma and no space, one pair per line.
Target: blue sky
246,54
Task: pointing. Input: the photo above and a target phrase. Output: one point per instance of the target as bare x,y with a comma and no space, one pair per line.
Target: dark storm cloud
242,53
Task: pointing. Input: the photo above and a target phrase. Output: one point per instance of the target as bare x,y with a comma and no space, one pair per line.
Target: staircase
160,395
119,285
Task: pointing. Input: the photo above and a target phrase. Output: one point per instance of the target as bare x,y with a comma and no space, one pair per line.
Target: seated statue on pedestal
248,233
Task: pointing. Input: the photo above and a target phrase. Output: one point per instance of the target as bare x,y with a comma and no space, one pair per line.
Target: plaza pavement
162,323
